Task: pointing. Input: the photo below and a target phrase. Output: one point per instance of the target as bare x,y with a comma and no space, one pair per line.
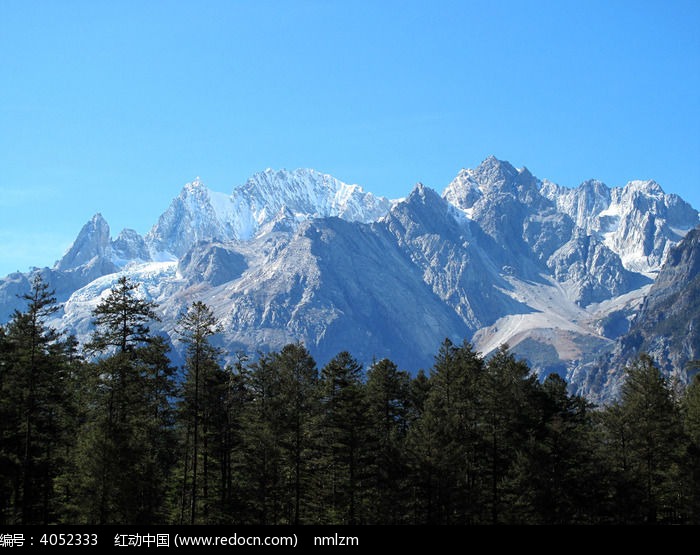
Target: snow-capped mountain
271,196
666,326
638,222
500,256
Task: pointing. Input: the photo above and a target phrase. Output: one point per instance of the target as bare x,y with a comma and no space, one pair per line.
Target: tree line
114,433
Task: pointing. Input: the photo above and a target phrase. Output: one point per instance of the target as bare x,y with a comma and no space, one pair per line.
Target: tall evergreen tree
203,419
299,408
507,420
262,430
388,406
122,319
654,418
154,426
33,377
130,386
233,504
691,426
445,441
556,479
644,438
344,425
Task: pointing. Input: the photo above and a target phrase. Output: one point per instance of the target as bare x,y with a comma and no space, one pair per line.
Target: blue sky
112,106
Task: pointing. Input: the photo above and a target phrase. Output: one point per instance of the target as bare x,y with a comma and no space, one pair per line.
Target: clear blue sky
111,106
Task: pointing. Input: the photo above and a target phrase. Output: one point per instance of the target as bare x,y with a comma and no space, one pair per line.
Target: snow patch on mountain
499,257
157,281
199,214
638,222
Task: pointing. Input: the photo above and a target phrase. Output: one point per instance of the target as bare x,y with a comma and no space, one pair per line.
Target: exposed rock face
501,256
92,242
667,326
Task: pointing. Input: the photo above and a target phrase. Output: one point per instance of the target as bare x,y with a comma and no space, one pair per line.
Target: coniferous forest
113,433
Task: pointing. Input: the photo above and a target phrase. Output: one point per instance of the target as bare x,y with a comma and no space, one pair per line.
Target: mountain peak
306,193
98,220
551,270
648,187
494,170
199,214
93,240
196,186
423,194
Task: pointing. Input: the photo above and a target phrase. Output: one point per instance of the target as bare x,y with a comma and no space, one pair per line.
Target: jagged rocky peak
583,204
463,192
92,241
191,217
490,178
269,199
423,205
642,223
196,186
649,197
495,173
129,246
308,193
420,191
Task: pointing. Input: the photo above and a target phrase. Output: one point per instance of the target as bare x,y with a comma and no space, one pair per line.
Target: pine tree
508,416
154,428
262,429
299,408
202,419
33,378
121,320
130,386
445,440
691,426
388,405
653,410
233,504
645,436
556,478
344,426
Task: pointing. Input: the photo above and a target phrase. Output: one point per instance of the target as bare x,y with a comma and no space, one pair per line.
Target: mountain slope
667,326
501,256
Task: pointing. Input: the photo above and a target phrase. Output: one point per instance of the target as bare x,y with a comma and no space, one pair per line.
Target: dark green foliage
260,454
555,478
270,441
643,442
691,427
299,411
202,421
122,459
121,320
388,409
35,375
444,441
509,413
343,471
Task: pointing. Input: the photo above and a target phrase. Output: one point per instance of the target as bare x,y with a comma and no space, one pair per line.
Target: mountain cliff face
529,231
638,222
500,256
667,326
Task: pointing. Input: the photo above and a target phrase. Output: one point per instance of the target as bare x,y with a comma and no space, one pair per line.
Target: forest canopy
114,433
